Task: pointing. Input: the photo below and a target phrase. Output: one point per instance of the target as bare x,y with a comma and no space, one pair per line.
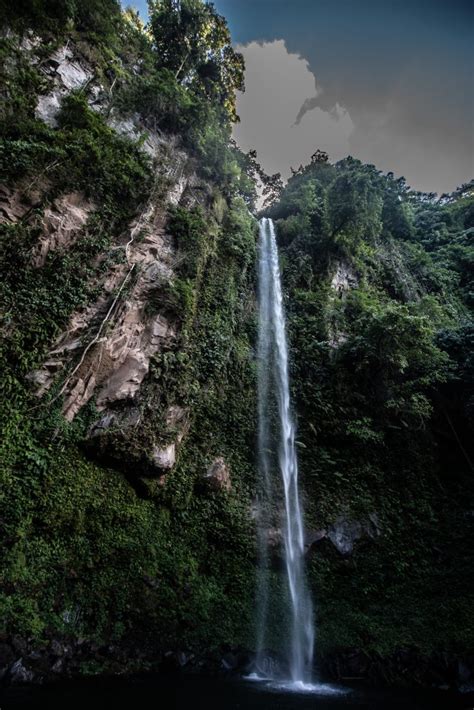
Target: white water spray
273,388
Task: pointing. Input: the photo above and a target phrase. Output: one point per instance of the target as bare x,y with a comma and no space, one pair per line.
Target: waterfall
276,429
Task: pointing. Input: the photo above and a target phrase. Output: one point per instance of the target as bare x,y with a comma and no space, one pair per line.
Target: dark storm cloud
400,72
403,71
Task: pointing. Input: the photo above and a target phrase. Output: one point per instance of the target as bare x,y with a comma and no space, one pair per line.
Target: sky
390,82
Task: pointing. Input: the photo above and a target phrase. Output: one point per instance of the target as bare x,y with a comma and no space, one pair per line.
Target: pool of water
188,692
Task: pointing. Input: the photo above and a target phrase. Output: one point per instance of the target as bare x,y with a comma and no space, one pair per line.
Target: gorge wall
128,321
379,286
128,362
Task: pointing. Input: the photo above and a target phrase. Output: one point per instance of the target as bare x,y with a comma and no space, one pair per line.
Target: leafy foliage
378,288
85,552
193,41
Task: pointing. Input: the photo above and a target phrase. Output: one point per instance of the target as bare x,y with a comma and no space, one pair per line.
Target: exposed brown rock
14,204
62,224
114,338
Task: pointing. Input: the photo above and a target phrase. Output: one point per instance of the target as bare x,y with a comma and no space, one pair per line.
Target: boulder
19,673
218,475
345,532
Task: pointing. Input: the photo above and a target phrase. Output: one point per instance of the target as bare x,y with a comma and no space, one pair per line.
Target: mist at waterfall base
279,504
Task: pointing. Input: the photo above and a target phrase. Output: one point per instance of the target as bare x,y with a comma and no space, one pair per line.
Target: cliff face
128,330
128,326
378,298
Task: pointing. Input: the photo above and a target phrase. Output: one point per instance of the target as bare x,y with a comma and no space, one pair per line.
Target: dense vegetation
378,281
87,551
379,289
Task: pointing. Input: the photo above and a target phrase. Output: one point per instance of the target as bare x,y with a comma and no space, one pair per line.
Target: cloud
272,121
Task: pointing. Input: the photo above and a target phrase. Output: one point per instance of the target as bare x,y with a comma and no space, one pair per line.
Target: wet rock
345,532
269,665
311,537
229,661
274,537
18,673
58,666
182,658
35,656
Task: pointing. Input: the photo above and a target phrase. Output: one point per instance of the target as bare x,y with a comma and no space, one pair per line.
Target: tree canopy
193,41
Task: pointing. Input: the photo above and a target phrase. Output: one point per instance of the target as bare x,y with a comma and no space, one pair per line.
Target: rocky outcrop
115,361
217,475
106,349
344,533
66,73
131,127
164,457
65,657
406,666
117,426
62,221
15,204
116,337
344,278
177,425
62,224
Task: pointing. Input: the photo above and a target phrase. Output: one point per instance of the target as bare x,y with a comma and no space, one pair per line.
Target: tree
193,41
319,156
355,204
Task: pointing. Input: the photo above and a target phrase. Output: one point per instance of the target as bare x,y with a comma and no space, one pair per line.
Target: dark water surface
194,693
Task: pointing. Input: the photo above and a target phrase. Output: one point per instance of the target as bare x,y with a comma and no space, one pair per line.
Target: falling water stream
276,430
